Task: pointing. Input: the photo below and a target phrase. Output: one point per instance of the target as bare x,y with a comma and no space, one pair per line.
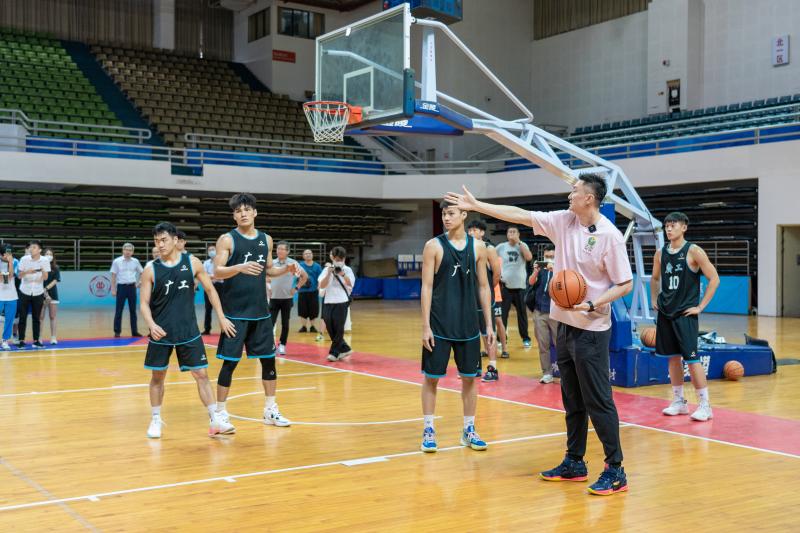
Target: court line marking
6,357
622,424
143,385
98,496
19,474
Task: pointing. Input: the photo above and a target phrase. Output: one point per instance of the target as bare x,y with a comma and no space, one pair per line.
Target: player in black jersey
676,272
453,273
244,260
167,305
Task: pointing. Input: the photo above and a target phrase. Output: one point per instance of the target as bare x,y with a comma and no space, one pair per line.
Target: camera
337,269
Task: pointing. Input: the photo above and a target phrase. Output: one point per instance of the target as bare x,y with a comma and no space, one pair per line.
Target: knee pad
268,372
226,373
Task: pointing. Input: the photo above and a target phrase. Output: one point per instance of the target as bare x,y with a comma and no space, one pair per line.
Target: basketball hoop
328,120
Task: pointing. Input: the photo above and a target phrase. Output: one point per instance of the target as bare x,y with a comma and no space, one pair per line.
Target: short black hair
676,216
165,227
36,242
242,199
282,243
444,204
512,226
211,245
181,234
339,252
550,247
597,184
478,224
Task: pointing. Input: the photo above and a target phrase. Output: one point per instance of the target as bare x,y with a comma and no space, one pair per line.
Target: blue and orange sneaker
470,439
428,441
568,470
611,481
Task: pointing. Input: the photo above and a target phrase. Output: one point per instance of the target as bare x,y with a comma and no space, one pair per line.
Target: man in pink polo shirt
590,244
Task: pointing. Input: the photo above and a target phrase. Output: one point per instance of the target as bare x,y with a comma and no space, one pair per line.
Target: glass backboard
367,63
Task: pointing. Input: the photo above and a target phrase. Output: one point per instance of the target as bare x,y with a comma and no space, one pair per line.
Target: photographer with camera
337,279
8,294
545,328
33,270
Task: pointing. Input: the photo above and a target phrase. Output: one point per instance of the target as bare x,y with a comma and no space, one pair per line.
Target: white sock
220,407
270,401
493,363
469,421
428,421
677,392
702,395
156,411
212,408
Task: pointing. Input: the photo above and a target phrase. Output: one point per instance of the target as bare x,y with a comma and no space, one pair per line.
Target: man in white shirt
125,273
282,290
33,270
208,266
337,279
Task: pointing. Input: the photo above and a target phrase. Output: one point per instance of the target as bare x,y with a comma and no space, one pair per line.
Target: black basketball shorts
191,355
254,335
467,354
677,337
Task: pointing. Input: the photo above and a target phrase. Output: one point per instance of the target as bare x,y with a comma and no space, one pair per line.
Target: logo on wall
100,286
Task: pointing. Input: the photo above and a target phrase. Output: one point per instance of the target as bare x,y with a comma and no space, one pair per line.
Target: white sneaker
319,338
677,407
154,430
221,424
332,358
281,349
53,341
547,378
273,417
703,413
5,346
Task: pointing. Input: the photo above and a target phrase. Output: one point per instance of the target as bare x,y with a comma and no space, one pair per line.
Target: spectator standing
337,280
208,266
8,294
51,294
515,255
34,270
282,290
544,327
308,293
125,273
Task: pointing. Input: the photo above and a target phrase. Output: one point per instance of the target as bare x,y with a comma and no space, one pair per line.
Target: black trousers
125,293
515,297
335,315
282,306
207,319
35,303
586,390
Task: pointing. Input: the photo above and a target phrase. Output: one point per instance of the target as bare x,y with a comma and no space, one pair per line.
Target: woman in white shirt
337,279
8,295
33,270
51,294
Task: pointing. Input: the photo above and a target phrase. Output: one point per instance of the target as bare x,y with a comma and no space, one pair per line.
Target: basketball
648,337
567,288
733,370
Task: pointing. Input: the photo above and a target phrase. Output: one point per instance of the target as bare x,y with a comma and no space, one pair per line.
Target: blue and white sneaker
471,439
526,343
428,441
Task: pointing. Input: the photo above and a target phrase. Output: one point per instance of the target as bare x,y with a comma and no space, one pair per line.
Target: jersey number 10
674,281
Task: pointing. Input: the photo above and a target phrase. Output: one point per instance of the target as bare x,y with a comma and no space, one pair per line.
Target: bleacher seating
743,115
180,94
38,76
82,224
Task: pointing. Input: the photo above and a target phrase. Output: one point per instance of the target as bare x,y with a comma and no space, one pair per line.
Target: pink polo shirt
600,257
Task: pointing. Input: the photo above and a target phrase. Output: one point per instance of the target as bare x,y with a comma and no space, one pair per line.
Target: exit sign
284,55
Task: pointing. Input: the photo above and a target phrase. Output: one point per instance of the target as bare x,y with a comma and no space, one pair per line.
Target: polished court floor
74,455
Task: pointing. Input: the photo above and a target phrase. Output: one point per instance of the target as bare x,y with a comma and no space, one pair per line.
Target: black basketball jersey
244,297
453,315
680,286
172,301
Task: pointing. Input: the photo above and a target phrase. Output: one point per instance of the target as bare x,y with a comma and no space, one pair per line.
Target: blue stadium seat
746,105
771,101
722,109
626,123
785,100
796,98
733,107
758,103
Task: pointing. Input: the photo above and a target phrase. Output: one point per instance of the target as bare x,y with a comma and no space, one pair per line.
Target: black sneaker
206,332
116,335
568,470
136,334
491,374
302,330
312,330
21,344
611,481
37,344
484,354
505,355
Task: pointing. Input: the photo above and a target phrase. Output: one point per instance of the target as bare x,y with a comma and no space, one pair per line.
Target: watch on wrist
591,306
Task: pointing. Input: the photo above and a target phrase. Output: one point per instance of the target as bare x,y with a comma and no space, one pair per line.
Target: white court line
143,385
56,354
622,424
227,479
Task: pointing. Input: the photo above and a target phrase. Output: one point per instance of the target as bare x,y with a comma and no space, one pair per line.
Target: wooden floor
75,455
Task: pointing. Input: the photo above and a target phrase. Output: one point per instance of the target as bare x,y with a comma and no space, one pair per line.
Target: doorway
790,271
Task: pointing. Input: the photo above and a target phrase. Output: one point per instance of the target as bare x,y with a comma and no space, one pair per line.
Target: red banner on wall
284,55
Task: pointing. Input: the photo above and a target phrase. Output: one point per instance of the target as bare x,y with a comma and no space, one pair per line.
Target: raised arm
509,213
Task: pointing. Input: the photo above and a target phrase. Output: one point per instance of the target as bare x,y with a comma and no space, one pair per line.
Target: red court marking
735,427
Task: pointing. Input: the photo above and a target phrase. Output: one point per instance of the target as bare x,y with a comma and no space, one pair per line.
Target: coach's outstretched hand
465,202
227,327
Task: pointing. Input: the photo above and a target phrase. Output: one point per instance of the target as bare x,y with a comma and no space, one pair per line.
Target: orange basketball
567,288
648,337
733,370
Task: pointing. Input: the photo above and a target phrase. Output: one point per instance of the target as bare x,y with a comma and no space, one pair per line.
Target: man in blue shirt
545,327
308,293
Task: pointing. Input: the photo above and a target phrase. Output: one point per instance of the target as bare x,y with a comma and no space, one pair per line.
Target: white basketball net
328,120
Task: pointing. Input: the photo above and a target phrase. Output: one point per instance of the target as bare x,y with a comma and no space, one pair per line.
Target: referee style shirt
127,270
